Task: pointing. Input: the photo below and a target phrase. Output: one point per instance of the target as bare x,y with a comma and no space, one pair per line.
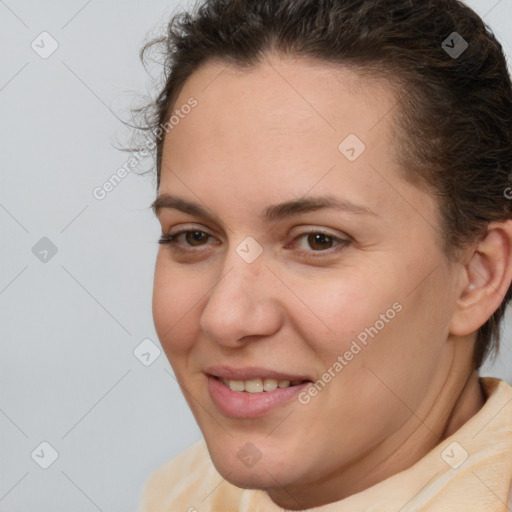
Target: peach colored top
444,480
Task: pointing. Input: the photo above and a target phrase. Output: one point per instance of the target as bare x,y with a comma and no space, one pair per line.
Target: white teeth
270,384
236,385
253,386
258,385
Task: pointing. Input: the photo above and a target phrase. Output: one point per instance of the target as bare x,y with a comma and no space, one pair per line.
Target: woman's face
271,283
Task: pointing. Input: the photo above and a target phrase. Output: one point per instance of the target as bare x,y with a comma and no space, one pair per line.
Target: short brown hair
454,112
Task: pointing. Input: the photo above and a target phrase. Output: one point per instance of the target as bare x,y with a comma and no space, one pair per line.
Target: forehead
285,128
290,93
282,112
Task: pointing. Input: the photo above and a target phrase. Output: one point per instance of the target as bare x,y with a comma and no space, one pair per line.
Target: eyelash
171,240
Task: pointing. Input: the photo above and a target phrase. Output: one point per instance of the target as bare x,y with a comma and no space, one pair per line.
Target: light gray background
68,327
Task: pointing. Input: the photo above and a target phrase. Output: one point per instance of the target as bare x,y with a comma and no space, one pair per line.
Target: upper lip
251,372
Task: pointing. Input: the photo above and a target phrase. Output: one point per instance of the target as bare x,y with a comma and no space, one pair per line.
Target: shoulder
185,482
498,394
495,433
491,427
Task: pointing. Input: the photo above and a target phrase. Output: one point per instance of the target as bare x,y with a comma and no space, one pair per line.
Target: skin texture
267,134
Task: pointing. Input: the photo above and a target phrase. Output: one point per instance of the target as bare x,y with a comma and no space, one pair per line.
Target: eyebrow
272,213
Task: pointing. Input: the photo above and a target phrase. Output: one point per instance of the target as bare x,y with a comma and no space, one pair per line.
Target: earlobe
486,278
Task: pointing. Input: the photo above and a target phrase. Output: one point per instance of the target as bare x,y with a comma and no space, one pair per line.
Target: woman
336,255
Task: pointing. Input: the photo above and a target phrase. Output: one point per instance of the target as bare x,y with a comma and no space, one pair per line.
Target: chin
247,468
257,477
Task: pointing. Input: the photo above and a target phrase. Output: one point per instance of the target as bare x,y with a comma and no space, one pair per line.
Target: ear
486,277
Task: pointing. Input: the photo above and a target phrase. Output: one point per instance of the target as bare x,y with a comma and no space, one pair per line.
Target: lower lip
241,404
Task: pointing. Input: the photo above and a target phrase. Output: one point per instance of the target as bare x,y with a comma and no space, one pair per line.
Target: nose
241,306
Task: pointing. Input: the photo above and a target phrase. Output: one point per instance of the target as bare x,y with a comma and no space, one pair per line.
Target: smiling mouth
258,385
255,396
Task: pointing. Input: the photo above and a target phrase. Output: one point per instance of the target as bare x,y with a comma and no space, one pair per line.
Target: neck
471,399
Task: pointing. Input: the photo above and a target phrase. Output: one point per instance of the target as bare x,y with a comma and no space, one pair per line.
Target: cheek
175,302
339,308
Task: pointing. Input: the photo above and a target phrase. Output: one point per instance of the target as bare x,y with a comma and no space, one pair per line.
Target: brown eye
319,241
318,244
195,238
